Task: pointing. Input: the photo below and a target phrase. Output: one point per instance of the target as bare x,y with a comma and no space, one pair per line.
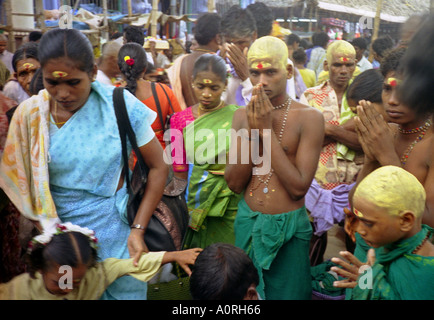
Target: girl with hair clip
64,155
63,265
211,204
133,64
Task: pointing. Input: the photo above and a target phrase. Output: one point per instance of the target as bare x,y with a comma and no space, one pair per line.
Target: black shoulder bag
168,224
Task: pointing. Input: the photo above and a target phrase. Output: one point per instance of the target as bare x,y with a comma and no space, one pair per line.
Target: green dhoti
278,245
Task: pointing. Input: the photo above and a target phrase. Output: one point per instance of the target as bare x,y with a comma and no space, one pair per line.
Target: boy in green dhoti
272,225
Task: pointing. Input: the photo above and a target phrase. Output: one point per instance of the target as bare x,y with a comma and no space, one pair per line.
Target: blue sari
85,164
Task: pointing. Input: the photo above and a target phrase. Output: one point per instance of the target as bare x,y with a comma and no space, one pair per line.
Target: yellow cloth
92,286
24,174
308,76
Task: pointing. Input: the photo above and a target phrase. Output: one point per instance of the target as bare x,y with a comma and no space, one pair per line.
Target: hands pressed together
259,110
375,135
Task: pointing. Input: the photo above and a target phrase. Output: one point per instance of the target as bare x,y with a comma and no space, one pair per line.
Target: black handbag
168,224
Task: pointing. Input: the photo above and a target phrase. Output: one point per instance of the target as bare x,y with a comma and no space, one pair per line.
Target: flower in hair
129,61
60,228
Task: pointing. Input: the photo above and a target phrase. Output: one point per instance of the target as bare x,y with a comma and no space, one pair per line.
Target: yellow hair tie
128,60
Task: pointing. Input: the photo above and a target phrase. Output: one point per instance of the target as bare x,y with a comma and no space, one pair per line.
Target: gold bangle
138,226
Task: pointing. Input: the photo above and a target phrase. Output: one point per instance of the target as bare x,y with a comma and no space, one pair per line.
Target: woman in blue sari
83,154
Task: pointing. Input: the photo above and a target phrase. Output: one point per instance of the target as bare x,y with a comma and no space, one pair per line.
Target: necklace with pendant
265,181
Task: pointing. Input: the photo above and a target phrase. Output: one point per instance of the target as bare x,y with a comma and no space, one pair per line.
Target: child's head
209,79
389,203
68,66
25,63
366,86
62,247
299,56
132,62
223,272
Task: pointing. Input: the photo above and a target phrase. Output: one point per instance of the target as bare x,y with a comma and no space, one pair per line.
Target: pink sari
177,124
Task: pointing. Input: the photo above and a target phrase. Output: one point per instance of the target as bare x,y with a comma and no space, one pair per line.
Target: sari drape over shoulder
72,173
212,205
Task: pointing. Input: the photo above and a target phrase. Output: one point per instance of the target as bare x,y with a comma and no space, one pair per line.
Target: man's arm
238,173
296,176
342,134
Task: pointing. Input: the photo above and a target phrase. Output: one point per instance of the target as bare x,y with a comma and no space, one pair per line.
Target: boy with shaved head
388,205
272,224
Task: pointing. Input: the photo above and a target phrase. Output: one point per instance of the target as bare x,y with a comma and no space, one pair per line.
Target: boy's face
396,111
271,75
376,226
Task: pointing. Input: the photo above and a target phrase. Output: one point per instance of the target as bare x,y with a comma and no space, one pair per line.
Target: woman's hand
136,245
350,269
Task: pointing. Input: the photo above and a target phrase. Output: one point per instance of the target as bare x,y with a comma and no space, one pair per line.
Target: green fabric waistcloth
278,245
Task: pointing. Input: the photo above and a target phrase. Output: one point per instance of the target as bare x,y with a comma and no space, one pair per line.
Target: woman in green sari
212,205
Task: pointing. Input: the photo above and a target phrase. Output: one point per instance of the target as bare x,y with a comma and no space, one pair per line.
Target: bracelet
138,226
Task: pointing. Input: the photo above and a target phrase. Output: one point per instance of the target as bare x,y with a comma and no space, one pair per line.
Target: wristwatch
138,226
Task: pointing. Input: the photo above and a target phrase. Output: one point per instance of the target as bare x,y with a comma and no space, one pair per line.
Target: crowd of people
278,138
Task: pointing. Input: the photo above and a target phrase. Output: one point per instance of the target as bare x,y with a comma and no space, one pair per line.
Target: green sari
211,204
398,274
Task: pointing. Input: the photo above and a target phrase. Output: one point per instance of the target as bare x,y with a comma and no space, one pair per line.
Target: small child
388,205
63,266
224,272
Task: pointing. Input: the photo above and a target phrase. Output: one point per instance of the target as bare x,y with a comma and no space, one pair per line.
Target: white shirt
6,57
102,77
13,90
364,64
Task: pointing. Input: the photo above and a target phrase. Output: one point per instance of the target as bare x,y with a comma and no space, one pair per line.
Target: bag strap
126,130
167,96
157,102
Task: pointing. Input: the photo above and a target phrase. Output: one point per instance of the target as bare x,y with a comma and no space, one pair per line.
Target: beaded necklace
422,129
270,174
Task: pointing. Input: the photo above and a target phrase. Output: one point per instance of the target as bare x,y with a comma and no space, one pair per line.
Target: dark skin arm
152,153
296,176
237,174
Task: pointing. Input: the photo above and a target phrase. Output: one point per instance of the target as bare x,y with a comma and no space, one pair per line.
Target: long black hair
70,43
69,248
137,65
211,62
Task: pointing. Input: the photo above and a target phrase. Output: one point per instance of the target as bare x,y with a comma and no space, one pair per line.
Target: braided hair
132,62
